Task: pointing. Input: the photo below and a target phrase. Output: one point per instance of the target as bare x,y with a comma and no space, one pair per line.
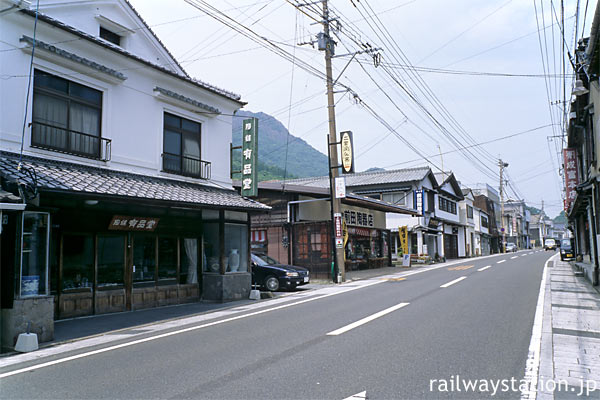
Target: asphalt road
478,328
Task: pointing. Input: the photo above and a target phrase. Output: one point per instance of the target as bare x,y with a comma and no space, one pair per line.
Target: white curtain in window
84,119
51,111
191,252
191,149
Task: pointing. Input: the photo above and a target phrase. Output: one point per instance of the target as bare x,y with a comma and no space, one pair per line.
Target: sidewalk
570,345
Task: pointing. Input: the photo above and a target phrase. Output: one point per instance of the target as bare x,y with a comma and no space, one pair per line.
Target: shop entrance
451,246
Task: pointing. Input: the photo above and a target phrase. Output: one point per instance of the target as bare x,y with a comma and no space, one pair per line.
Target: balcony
186,166
54,138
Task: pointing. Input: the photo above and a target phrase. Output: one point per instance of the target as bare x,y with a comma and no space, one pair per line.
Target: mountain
533,210
561,218
303,160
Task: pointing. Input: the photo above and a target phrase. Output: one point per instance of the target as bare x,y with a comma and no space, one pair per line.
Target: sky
481,74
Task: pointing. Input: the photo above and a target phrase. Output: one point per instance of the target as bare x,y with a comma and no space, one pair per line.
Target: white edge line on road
38,355
484,268
532,365
167,334
366,319
500,262
445,285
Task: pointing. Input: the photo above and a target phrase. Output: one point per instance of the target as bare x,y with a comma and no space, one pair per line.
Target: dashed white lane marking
484,268
445,285
523,255
512,258
367,319
500,262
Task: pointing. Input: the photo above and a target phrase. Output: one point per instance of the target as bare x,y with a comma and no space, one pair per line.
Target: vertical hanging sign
347,152
571,176
250,157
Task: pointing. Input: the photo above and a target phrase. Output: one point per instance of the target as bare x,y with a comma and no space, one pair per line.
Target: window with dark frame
110,36
447,205
182,147
469,212
66,116
484,221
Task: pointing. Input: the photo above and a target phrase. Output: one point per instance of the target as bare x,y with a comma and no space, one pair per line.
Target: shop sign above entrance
125,223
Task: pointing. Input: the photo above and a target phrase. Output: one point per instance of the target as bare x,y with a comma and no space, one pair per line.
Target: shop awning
93,182
377,205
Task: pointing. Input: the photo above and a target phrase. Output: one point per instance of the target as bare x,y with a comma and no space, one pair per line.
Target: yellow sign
347,153
403,234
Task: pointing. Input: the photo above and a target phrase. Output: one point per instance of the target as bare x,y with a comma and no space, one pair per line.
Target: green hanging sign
250,157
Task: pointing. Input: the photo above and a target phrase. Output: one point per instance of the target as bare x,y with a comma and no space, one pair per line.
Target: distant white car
549,244
511,247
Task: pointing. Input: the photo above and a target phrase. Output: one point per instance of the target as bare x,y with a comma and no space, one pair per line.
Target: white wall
132,115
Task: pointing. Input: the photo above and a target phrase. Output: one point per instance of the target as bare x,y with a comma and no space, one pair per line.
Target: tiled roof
73,57
68,177
110,46
368,178
180,97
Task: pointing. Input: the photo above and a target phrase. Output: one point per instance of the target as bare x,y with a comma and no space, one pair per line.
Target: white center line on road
512,258
367,319
500,262
484,268
445,285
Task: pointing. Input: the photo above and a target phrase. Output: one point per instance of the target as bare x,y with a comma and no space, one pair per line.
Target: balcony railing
187,166
50,137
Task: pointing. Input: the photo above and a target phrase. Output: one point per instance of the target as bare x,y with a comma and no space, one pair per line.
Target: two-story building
453,232
120,160
582,170
516,223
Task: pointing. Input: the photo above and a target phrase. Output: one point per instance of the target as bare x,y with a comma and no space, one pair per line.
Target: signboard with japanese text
419,200
340,187
357,218
347,146
403,235
139,224
250,157
571,176
338,225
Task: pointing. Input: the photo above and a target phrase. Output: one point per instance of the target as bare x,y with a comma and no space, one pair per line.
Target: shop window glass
210,214
78,262
34,254
54,260
144,258
236,247
167,258
236,216
211,247
189,261
111,260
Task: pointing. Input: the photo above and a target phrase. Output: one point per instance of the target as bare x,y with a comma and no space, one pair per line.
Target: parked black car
566,250
272,275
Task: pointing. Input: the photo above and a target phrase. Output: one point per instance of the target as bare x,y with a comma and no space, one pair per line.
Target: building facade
582,172
122,169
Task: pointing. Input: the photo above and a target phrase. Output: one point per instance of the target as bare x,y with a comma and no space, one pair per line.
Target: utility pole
339,269
502,165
